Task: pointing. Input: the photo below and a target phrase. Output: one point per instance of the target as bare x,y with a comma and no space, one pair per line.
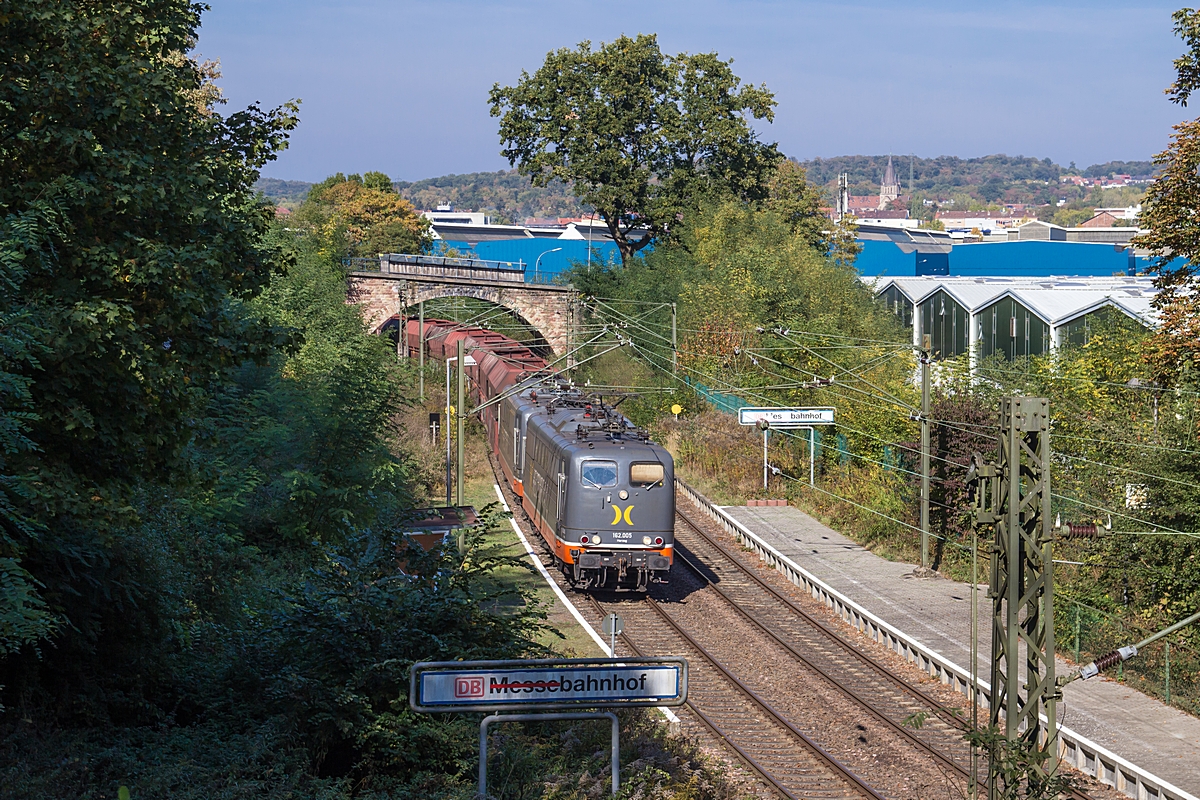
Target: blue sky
402,87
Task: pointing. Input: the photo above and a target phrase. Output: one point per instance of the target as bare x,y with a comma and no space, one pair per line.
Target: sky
402,87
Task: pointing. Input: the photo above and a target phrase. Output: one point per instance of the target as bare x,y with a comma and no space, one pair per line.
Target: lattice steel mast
1013,495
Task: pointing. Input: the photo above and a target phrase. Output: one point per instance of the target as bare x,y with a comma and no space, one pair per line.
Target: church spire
889,190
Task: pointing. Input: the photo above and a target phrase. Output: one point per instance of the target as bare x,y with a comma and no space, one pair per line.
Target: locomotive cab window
599,473
646,474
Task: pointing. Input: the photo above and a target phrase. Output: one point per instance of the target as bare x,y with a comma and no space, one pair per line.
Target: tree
798,202
364,216
1170,215
131,240
639,135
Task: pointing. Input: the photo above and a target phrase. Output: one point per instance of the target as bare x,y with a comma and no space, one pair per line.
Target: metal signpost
614,626
788,419
555,685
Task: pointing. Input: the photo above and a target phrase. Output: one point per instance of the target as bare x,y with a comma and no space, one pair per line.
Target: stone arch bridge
398,282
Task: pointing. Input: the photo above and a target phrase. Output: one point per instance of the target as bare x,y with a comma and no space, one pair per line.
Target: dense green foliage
201,484
1110,168
284,193
130,242
639,135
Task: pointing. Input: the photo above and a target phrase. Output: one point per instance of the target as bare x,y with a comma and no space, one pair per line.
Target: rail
760,620
835,768
1074,749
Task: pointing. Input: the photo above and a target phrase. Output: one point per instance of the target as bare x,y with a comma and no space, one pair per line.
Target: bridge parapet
478,269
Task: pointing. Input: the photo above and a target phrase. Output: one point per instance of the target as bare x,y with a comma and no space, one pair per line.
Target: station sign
547,683
783,418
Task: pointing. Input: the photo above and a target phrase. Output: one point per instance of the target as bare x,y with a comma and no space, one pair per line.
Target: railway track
844,668
850,671
783,756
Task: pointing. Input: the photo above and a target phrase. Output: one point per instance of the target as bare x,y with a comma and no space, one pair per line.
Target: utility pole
1013,496
421,358
400,321
462,375
674,344
766,429
925,452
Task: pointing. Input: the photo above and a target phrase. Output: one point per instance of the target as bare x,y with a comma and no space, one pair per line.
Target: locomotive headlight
624,495
645,540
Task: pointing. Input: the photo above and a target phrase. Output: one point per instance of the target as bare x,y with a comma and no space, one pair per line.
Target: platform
937,612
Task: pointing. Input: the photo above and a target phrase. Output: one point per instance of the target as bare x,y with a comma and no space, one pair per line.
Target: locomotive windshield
646,474
599,473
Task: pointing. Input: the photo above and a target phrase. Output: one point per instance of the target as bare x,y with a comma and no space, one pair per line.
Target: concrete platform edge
1076,750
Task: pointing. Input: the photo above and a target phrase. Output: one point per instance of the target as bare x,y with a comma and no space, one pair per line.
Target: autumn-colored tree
1171,204
364,216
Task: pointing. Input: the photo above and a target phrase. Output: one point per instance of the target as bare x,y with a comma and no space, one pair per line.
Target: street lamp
539,260
468,361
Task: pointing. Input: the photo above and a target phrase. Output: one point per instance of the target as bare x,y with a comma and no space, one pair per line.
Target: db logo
468,687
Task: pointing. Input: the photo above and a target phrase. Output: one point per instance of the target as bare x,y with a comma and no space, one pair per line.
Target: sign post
565,687
788,419
614,626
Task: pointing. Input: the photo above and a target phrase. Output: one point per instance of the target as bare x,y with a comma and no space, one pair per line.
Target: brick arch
547,310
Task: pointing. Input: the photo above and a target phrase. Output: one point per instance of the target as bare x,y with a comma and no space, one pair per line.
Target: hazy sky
402,87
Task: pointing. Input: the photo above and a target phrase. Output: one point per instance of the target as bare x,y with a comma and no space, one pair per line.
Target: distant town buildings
1107,182
982,221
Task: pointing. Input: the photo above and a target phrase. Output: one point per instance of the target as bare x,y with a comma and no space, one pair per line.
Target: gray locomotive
598,490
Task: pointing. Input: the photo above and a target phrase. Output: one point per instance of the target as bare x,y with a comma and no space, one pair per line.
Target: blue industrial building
557,255
1015,259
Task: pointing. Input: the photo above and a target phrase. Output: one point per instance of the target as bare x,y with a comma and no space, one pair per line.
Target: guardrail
1074,749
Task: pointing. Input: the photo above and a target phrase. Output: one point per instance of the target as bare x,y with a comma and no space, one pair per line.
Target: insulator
1108,660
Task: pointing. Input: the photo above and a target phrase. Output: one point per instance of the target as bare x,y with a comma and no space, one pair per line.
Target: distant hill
286,193
507,196
1135,168
510,198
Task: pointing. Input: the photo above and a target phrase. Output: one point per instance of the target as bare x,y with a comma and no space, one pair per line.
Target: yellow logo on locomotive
617,515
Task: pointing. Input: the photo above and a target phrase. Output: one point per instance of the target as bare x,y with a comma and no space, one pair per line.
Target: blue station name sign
547,683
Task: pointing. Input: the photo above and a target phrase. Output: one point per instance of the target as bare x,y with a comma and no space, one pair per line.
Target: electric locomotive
598,490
